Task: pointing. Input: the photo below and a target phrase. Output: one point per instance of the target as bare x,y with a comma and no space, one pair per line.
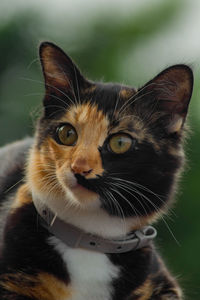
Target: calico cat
77,199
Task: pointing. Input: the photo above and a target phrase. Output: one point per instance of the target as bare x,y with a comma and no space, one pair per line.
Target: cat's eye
66,135
120,143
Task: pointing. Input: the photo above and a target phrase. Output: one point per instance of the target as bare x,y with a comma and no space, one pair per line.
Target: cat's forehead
86,114
108,96
102,103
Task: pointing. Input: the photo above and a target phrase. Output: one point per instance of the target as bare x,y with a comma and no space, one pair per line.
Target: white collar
75,237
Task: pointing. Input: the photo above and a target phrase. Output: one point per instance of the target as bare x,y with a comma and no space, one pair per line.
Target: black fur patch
33,254
12,163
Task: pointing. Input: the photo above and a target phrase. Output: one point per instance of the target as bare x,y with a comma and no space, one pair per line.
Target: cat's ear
169,93
63,79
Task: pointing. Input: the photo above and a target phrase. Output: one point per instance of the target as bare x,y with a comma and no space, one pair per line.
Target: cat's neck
93,220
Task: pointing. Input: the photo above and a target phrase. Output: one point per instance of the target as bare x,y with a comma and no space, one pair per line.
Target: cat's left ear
63,79
169,93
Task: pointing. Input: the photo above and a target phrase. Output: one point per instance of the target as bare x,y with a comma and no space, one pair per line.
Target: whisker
134,209
138,185
32,62
128,185
130,103
165,222
135,96
126,189
71,85
53,220
52,96
116,104
49,85
77,87
14,185
120,211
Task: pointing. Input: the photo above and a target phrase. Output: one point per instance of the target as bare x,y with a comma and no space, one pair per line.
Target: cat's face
108,146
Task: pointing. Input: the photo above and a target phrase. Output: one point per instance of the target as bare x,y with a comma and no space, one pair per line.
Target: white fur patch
91,273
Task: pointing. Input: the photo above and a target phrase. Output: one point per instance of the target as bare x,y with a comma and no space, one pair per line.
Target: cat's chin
82,197
79,200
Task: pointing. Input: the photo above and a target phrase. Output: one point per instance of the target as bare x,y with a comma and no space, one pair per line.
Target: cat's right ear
63,79
167,97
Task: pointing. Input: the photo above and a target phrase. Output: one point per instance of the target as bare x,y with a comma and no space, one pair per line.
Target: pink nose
81,166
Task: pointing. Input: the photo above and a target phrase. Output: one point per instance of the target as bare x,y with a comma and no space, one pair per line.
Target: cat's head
108,147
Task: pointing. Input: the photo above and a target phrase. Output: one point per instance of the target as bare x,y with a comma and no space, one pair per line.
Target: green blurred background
117,40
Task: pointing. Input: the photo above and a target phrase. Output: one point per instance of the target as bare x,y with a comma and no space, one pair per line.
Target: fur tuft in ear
169,93
63,79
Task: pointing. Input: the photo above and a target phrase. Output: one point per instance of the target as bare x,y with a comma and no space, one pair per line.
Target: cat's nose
81,166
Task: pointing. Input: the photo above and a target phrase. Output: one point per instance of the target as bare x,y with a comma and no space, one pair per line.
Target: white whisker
49,85
53,220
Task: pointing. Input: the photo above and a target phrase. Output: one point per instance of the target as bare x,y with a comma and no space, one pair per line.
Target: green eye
120,143
66,135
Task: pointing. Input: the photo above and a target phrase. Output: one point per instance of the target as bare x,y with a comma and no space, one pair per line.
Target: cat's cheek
66,177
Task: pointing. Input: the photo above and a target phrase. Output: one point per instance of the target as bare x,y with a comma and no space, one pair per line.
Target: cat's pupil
70,132
120,142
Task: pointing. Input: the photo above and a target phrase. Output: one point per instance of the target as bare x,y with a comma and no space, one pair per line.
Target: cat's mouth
83,190
89,184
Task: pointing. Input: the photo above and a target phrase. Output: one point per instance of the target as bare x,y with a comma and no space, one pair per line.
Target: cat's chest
91,273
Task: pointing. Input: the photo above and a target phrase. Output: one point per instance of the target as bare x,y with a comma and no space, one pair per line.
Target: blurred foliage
99,51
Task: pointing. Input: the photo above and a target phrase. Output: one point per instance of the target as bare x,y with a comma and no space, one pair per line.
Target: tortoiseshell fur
114,194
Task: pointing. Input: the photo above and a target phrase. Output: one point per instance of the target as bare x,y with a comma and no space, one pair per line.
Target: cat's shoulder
12,160
15,149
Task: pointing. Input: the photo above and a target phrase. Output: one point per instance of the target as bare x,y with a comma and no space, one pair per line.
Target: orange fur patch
144,292
44,286
89,90
41,171
23,197
127,93
91,126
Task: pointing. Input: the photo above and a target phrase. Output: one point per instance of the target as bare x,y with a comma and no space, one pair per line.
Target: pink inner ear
175,124
173,89
169,94
62,77
54,64
56,78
